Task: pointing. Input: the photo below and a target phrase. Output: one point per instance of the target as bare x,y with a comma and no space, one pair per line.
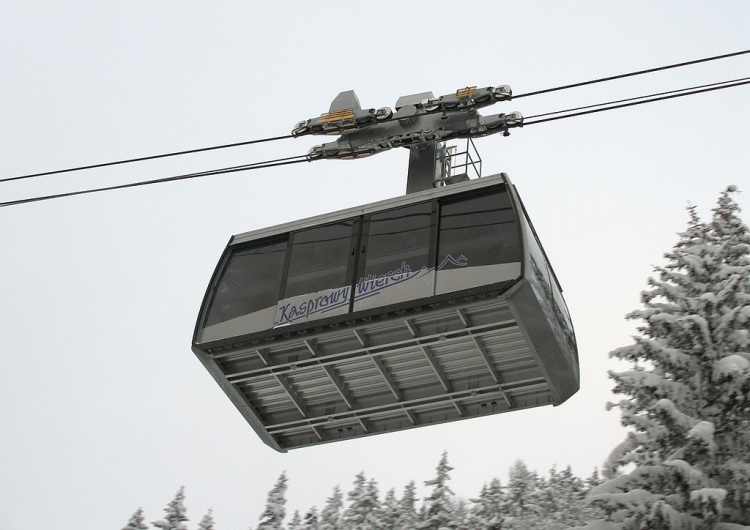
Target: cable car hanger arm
346,113
419,119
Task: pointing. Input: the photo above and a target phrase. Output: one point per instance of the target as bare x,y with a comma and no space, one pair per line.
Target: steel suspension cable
559,115
222,171
632,74
550,116
275,138
144,158
679,90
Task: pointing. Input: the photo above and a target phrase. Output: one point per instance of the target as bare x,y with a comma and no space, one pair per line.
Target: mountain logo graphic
461,261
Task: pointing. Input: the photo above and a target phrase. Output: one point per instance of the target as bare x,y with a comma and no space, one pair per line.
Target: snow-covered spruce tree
207,523
563,494
390,511
438,512
408,518
522,495
460,513
136,521
175,513
487,513
686,462
584,511
296,522
273,516
372,498
560,503
310,521
330,516
594,480
362,512
354,514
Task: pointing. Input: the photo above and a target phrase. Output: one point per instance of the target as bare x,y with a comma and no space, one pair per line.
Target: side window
320,259
479,242
399,238
249,283
397,262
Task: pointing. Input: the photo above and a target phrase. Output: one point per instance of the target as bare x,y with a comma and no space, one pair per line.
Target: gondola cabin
432,307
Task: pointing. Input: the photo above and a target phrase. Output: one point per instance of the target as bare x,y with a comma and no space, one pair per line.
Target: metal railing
458,166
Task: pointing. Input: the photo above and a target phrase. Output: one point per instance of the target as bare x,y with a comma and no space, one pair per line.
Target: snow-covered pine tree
207,523
353,515
585,511
566,489
421,514
273,516
175,513
560,502
594,480
372,521
408,518
296,521
460,512
361,514
390,511
438,506
487,513
310,522
522,494
136,521
686,463
330,516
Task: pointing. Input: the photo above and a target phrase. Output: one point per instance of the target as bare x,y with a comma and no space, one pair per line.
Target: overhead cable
570,113
144,158
639,98
275,138
546,117
530,120
222,171
631,74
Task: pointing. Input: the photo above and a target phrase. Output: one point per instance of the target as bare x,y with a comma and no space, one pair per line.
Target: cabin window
482,228
479,234
399,237
398,265
320,259
250,281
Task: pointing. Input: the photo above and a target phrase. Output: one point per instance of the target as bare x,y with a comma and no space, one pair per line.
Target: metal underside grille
383,375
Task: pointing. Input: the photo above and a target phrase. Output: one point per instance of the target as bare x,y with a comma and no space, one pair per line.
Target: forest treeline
527,501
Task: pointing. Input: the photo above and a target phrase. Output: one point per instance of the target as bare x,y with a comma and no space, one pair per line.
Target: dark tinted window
481,228
320,259
250,282
399,237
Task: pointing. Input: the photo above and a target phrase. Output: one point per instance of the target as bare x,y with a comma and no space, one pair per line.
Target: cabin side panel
545,318
410,256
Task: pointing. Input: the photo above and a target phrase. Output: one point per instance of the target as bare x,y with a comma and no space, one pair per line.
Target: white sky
103,407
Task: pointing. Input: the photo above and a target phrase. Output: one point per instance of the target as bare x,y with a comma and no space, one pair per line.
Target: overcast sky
103,406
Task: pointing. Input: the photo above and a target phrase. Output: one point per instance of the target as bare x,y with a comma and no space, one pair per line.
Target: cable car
436,306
